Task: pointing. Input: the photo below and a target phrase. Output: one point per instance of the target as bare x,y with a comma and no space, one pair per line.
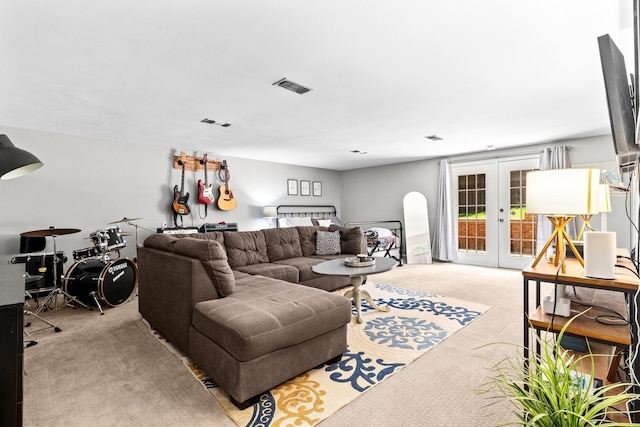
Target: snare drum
84,253
110,282
108,239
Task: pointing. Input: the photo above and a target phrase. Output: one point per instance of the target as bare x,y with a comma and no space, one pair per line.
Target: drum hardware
108,239
125,219
130,221
51,297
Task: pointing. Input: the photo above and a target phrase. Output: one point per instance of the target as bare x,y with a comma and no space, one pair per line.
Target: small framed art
305,188
317,188
292,187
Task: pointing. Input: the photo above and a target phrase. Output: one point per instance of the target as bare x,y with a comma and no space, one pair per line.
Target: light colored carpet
110,371
383,344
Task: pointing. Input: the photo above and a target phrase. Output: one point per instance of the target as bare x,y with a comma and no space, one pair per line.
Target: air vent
433,138
213,122
292,86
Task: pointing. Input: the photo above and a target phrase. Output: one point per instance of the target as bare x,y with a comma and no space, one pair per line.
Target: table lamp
270,212
604,206
561,194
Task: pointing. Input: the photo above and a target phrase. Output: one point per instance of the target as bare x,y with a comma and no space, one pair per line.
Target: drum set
99,275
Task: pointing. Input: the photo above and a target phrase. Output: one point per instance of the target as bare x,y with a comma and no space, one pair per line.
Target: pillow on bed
301,221
328,243
283,223
375,232
324,222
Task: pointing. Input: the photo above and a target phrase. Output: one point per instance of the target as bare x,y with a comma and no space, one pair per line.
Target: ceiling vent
292,86
433,138
213,122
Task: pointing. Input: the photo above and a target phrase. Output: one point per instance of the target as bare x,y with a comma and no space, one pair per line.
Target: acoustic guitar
226,201
180,205
205,190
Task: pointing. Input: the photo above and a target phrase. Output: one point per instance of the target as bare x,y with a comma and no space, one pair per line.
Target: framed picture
292,187
305,188
317,188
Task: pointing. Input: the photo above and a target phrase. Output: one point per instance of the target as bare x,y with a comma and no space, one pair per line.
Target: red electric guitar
226,201
205,191
180,204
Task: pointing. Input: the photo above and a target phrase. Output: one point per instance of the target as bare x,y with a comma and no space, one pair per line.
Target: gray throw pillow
328,243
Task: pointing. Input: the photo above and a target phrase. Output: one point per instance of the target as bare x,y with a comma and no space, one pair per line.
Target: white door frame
498,253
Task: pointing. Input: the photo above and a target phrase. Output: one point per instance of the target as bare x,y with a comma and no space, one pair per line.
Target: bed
299,215
384,238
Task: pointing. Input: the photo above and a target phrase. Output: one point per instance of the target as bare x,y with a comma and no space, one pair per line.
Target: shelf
584,326
193,164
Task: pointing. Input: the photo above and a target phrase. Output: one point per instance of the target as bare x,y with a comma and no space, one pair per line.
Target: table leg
357,294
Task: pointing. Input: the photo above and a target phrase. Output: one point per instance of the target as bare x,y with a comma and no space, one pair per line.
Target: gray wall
376,193
87,184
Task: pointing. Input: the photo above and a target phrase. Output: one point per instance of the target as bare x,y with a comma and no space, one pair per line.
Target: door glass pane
471,213
523,226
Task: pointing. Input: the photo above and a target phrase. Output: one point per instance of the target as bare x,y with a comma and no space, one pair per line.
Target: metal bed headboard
311,211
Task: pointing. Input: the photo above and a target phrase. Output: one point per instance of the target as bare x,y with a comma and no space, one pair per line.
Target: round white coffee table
337,267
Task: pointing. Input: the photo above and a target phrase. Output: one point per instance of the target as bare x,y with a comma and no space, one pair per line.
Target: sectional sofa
246,306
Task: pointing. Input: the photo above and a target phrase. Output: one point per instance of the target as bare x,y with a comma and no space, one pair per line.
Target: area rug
377,348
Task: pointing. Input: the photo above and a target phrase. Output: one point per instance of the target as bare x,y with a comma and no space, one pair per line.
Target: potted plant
552,389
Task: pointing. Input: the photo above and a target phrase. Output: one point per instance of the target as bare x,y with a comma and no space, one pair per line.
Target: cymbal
125,219
50,232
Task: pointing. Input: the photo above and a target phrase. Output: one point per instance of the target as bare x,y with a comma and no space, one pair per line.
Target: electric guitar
226,201
205,191
180,204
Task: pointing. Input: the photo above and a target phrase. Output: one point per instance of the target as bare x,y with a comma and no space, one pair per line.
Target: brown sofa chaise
246,306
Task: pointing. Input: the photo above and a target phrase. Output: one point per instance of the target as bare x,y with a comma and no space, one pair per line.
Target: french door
493,227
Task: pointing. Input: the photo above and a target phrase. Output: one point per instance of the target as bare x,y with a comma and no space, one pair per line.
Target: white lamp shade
604,198
270,212
563,192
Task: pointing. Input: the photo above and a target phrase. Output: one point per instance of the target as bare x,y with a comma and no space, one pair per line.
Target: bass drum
111,283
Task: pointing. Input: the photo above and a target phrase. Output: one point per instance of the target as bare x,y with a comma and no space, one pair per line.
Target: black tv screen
621,113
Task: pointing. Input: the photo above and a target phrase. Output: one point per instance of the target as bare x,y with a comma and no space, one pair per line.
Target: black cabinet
11,349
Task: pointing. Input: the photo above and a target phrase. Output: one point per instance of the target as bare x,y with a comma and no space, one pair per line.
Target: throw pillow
327,243
352,240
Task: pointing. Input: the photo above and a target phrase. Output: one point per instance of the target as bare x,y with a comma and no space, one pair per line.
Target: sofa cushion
303,265
245,248
328,242
214,260
265,315
308,239
282,243
352,239
163,242
276,271
218,236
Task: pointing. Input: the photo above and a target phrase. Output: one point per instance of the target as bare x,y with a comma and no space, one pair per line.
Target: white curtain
552,158
445,241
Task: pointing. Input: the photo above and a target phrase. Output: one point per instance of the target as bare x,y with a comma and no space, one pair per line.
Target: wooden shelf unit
617,294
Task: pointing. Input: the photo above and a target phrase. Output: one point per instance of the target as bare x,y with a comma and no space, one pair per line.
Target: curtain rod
496,156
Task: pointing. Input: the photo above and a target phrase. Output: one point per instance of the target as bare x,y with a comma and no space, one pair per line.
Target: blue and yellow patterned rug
379,347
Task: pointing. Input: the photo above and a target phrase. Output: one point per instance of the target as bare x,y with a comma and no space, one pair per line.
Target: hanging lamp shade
15,162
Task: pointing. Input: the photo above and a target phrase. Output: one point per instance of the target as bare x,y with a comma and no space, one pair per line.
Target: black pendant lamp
15,162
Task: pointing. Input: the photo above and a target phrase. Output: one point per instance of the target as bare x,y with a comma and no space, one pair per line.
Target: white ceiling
384,74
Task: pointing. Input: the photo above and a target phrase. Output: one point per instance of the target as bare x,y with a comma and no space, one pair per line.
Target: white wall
87,184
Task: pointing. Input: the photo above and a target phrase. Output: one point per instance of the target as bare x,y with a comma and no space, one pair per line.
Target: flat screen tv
621,114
